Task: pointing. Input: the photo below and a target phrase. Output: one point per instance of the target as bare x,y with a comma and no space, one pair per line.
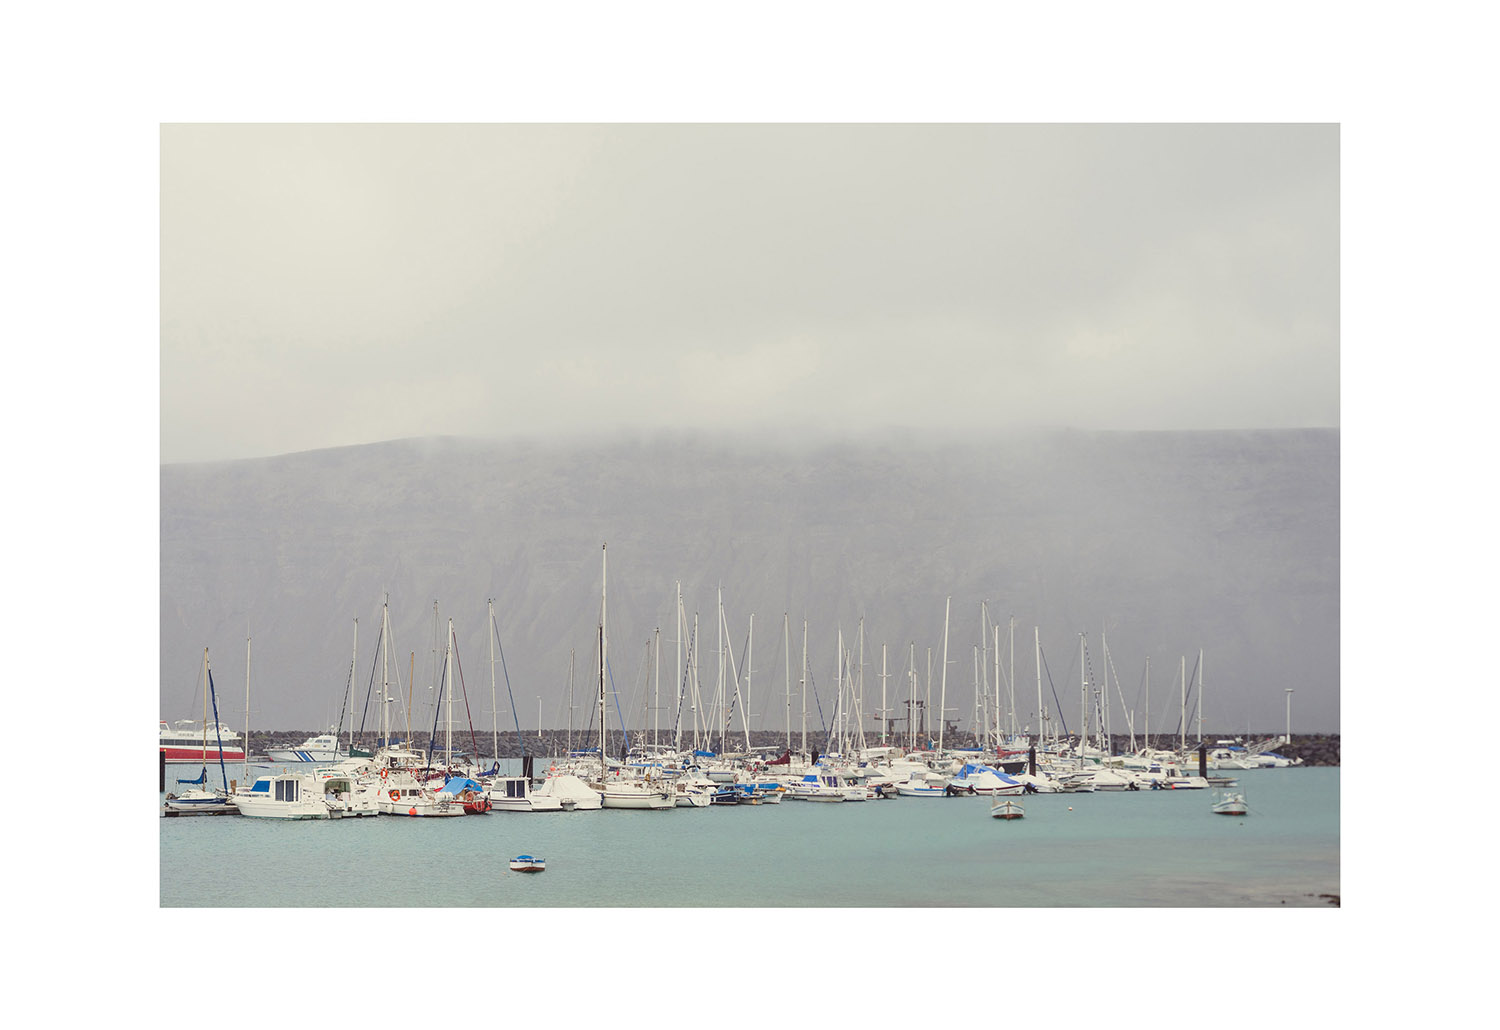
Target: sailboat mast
205,718
1182,710
353,669
603,651
838,677
495,715
1039,724
804,688
656,685
1083,696
1200,695
385,672
911,695
245,772
677,743
885,717
749,672
999,734
786,650
448,661
943,693
1012,675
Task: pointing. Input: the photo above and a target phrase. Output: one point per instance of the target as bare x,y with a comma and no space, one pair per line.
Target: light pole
1288,715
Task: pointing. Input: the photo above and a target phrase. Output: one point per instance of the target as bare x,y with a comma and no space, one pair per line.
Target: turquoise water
1137,849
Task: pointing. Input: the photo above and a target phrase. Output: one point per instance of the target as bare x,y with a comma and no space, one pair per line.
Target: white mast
353,670
927,702
1039,724
786,649
838,679
1182,711
245,772
911,695
1012,675
385,671
943,695
495,715
749,672
804,689
885,713
974,715
859,696
693,674
448,661
1200,695
603,651
656,687
1146,736
720,705
1104,729
999,732
1289,692
1083,692
677,743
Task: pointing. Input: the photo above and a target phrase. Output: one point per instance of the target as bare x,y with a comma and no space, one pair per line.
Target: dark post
162,773
526,761
1202,759
1031,759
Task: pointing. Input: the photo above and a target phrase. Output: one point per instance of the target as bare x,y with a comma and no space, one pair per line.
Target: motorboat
929,785
986,780
528,864
285,796
1006,808
322,748
1231,803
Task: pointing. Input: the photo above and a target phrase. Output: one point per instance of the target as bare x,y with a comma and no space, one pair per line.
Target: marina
1081,849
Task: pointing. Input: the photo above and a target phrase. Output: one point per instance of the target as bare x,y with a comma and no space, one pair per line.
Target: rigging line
687,667
370,691
1061,718
218,736
344,705
459,665
733,702
437,710
508,693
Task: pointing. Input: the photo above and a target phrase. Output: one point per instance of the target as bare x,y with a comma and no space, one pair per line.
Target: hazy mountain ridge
1173,541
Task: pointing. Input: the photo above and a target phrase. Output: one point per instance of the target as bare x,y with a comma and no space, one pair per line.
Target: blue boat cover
459,784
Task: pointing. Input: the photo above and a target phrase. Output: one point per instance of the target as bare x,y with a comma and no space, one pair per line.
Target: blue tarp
459,784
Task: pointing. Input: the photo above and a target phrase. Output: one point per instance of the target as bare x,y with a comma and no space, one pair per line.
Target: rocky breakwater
1313,748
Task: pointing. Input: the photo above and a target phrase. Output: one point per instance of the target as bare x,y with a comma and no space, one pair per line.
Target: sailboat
621,791
199,799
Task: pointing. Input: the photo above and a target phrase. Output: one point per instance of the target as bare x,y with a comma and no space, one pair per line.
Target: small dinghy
527,864
1231,804
1006,808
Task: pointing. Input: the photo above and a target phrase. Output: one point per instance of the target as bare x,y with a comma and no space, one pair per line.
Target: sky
333,284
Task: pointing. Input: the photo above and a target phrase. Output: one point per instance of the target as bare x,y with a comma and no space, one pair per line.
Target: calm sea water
1134,849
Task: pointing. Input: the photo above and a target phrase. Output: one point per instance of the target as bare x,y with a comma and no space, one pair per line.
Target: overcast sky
325,285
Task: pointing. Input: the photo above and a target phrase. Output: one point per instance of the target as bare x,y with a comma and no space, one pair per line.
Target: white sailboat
201,799
618,790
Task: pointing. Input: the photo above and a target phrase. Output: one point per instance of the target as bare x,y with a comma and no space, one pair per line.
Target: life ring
395,795
385,774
